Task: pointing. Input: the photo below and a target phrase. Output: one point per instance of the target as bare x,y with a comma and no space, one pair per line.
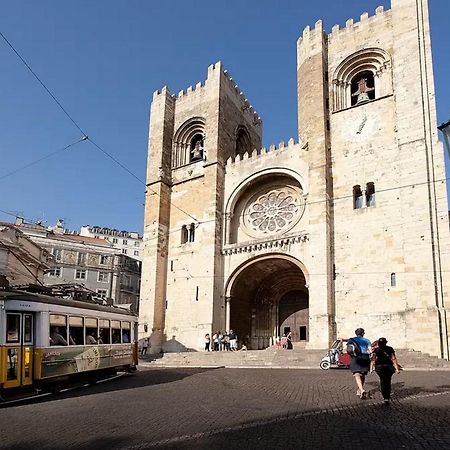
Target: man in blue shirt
360,364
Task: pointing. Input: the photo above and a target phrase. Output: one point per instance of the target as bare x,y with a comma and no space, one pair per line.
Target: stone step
278,358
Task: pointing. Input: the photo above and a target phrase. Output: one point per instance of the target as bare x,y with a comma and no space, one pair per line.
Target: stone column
227,313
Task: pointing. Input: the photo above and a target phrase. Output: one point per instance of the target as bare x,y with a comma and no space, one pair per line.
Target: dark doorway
303,333
293,314
287,330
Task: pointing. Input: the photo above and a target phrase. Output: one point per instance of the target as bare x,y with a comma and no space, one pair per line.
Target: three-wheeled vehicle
336,356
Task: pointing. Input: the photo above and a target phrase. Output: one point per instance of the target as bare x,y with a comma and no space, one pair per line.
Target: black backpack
353,348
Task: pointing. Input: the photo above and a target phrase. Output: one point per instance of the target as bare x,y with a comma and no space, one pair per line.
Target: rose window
274,210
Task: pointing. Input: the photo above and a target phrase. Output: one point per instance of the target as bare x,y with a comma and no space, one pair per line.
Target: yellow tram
46,339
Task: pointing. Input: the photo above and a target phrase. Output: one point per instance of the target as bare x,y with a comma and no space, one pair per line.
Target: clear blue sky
103,59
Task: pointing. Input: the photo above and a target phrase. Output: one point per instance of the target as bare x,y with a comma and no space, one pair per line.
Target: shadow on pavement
142,378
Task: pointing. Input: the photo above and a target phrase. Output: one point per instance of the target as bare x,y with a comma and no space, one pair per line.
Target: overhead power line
42,84
21,262
75,123
49,155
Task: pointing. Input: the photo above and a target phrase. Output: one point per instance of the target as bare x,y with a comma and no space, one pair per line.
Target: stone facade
349,223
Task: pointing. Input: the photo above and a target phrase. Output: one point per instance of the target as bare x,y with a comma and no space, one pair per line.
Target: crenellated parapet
214,71
245,106
365,20
310,34
265,152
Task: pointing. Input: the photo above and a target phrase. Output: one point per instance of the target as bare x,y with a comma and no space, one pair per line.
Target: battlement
364,20
246,106
265,151
214,70
318,30
163,91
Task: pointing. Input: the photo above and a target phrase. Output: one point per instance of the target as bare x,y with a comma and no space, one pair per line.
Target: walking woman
385,364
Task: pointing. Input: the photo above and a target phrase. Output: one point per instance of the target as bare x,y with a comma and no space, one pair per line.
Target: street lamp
445,129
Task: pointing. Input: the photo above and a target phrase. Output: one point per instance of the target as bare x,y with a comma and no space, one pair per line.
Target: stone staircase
274,358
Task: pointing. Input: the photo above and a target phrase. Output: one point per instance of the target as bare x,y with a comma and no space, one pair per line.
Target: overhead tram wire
86,137
23,264
138,179
49,155
42,84
75,123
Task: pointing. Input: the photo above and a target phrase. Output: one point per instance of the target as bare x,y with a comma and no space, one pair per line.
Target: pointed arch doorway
266,297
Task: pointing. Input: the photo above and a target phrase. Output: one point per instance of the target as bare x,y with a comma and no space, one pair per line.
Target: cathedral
345,227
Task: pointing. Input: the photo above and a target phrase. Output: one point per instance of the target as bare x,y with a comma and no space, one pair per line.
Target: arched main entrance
267,296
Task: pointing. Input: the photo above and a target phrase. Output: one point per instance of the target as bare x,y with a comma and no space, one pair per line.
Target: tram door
18,351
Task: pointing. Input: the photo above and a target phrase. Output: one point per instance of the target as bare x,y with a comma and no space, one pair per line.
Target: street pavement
236,409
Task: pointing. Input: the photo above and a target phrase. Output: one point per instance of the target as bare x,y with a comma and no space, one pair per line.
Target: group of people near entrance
285,342
367,357
219,342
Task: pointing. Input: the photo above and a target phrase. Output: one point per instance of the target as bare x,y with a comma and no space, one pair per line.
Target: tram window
116,337
126,332
91,337
76,332
27,328
12,364
12,328
104,335
58,329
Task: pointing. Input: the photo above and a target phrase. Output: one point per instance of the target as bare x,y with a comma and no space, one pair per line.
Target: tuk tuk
336,356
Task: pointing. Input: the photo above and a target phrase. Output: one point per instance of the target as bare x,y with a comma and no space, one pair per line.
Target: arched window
184,234
393,280
243,141
192,232
362,76
370,194
189,142
357,197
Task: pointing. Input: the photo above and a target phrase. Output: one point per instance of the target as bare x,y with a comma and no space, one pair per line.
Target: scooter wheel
325,365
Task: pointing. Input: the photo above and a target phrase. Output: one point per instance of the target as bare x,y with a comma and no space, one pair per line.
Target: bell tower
191,136
378,209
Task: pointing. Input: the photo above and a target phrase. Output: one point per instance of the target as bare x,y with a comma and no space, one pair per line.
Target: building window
136,243
192,232
370,194
54,272
104,260
188,142
243,141
57,254
362,88
103,277
124,251
184,234
361,77
196,148
124,241
114,240
126,280
81,261
357,197
103,293
136,253
393,280
80,274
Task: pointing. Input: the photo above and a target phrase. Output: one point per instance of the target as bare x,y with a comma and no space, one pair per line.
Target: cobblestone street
236,408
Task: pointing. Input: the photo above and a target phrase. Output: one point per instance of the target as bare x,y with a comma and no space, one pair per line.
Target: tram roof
40,298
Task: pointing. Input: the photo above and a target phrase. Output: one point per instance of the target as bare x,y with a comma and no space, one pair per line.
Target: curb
224,366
